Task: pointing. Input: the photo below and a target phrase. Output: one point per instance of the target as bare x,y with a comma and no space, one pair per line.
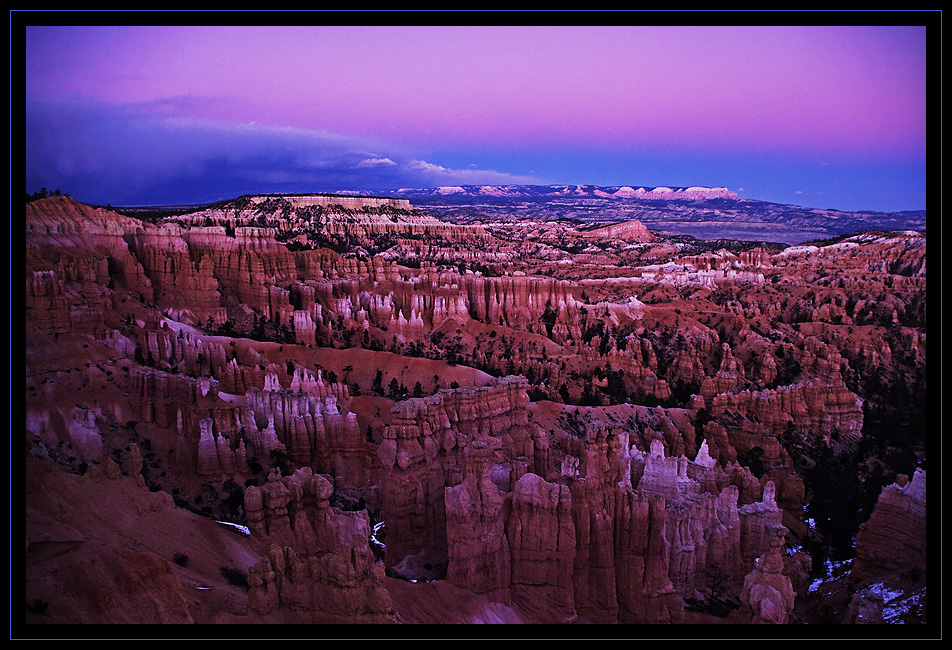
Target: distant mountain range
464,192
704,212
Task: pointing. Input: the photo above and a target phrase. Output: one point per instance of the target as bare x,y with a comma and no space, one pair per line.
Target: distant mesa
326,200
632,231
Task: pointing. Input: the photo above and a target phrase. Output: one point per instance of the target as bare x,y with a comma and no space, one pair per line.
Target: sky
820,116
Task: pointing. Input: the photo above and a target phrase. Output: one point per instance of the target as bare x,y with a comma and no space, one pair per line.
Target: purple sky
819,116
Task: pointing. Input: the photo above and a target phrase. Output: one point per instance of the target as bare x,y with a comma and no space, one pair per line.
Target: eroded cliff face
398,407
894,538
318,562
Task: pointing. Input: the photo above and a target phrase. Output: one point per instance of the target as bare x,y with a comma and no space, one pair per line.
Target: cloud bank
127,155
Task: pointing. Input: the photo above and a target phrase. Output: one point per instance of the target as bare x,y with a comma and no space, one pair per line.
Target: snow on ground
495,613
238,527
897,604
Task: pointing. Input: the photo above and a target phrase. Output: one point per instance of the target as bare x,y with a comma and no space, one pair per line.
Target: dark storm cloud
101,153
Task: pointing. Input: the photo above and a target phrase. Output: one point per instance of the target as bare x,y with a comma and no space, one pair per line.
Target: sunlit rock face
548,421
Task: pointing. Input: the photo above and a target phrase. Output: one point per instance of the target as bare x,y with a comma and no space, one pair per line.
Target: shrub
235,577
180,559
37,606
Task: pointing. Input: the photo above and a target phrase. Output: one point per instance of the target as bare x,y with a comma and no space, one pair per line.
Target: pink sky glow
761,87
825,114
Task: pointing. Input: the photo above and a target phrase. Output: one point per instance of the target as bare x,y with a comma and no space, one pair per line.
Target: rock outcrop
894,539
318,563
768,595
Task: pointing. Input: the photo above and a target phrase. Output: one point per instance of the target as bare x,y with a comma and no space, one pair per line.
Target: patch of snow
894,611
842,245
798,250
238,527
626,192
494,614
832,570
374,536
896,603
886,592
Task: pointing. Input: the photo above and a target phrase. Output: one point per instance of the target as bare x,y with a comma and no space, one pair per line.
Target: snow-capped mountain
693,193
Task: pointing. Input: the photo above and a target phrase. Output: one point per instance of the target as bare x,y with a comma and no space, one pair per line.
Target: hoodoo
349,409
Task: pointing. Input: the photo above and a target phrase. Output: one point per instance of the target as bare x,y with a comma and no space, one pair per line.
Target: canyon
343,409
